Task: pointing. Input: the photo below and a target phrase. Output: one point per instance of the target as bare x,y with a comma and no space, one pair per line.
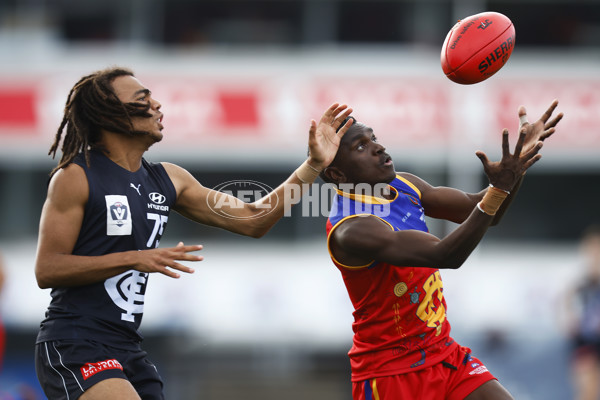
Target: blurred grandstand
239,82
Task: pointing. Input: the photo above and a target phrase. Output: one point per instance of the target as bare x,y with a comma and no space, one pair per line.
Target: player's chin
157,136
388,174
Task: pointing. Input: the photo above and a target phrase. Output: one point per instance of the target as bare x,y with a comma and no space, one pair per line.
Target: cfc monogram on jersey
127,292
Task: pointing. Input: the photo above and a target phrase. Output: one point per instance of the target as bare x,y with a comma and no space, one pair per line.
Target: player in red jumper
391,264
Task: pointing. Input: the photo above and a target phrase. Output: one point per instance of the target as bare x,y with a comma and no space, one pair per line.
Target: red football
477,47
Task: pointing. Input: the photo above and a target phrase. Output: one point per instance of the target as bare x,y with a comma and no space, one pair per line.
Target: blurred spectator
2,334
583,320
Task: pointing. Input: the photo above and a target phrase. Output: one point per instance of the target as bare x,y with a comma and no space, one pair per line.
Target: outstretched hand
504,174
541,129
163,260
507,172
324,137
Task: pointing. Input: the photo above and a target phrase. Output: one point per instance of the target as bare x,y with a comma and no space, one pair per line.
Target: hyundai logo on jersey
157,198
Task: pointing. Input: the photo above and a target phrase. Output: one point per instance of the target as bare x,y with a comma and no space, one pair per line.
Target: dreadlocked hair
93,106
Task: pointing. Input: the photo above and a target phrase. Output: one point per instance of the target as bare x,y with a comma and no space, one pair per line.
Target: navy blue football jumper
125,211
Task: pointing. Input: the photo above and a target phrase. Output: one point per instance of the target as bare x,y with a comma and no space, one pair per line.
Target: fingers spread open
505,149
166,271
339,109
519,145
181,267
522,116
329,114
484,160
531,161
547,133
188,249
340,118
312,129
331,110
546,116
554,121
531,152
342,131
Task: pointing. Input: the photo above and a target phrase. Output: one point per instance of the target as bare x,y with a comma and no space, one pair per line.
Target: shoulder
420,186
70,176
69,185
181,178
354,241
414,180
176,173
358,227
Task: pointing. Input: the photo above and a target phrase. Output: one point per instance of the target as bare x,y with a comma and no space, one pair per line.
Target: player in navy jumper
101,224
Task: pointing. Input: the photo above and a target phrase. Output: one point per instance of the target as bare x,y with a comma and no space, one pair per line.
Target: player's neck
126,151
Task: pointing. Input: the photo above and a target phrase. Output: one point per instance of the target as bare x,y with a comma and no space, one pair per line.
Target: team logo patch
127,291
412,198
118,216
91,369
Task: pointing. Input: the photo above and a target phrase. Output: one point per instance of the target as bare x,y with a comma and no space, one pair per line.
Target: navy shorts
67,368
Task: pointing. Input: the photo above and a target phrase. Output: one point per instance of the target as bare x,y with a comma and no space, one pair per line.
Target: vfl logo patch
118,213
127,291
118,216
91,369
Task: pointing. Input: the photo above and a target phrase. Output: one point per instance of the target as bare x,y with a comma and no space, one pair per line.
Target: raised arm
208,207
60,222
444,202
455,205
359,241
536,132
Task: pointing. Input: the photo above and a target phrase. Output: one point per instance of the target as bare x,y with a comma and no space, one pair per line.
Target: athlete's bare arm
358,241
452,204
455,205
197,202
60,222
444,202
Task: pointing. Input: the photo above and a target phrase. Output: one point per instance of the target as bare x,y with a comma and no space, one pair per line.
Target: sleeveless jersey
399,313
125,211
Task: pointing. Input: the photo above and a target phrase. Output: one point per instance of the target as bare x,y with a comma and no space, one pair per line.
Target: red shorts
452,379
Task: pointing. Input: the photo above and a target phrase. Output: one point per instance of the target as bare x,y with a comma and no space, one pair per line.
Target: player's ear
334,175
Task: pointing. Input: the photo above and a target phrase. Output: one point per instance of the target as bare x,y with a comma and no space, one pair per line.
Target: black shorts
67,368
